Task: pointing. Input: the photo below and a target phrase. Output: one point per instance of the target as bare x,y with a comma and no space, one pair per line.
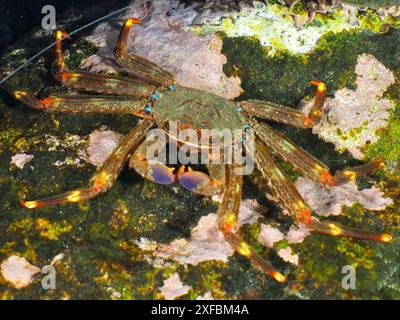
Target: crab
150,93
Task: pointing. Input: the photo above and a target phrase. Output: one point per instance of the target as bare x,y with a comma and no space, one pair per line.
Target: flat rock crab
149,92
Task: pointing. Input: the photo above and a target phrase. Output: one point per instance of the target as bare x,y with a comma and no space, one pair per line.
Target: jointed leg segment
94,82
228,222
282,114
105,177
288,197
137,66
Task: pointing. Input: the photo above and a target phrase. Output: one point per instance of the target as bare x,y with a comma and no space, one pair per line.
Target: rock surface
19,272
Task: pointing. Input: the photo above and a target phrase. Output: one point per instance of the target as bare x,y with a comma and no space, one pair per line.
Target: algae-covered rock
373,3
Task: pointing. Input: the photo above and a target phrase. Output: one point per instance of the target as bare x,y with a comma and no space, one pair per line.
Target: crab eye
148,109
171,88
154,95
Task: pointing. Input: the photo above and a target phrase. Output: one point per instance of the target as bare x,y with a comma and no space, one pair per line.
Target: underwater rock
101,144
373,3
352,117
269,235
165,39
278,28
18,271
287,255
330,201
21,159
173,287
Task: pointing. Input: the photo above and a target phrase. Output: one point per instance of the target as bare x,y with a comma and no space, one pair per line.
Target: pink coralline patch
101,144
206,243
352,117
21,159
165,39
19,272
250,211
287,255
329,201
297,233
269,235
173,287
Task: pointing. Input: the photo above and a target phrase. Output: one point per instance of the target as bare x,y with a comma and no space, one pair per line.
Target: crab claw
193,180
161,174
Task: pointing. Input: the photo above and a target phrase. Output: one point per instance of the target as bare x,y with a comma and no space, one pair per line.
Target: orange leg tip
61,34
129,22
385,237
29,204
278,277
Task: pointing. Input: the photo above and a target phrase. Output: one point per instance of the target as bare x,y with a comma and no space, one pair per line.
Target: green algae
373,3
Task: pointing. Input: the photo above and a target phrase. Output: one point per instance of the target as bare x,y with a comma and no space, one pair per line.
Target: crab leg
302,161
137,66
350,174
316,110
81,104
289,198
103,178
282,114
228,223
93,82
305,163
275,112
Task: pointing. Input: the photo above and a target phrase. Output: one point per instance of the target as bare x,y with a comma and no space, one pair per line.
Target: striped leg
135,65
93,82
79,104
104,178
228,222
302,161
282,114
285,194
305,163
